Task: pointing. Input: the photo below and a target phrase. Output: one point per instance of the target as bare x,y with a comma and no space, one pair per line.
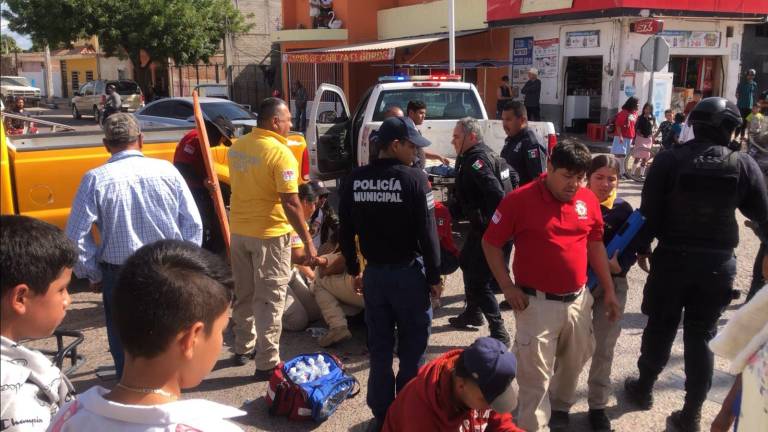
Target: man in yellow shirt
265,208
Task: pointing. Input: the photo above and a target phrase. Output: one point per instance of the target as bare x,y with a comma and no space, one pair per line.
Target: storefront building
588,51
370,39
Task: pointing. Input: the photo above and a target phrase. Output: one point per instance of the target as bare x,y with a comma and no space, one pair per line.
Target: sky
22,41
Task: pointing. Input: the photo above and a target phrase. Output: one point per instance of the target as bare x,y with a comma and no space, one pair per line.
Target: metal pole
650,83
451,37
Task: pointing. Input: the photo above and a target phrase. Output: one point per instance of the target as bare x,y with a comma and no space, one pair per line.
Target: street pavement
232,385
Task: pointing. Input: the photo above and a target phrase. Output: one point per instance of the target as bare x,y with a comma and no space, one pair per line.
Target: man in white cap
532,92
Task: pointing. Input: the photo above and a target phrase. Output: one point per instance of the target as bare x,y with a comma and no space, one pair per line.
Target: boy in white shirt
171,307
36,261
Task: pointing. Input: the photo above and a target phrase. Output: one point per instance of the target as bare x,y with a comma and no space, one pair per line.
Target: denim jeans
109,274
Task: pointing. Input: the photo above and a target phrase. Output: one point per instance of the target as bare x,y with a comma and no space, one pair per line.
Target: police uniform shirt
479,191
525,155
390,207
658,201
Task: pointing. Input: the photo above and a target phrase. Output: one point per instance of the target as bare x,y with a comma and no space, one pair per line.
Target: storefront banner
522,59
545,54
582,39
362,56
691,39
529,6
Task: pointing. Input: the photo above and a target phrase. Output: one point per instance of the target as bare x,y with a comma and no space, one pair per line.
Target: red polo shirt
550,236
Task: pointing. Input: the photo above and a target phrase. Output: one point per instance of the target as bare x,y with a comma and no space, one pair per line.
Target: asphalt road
232,385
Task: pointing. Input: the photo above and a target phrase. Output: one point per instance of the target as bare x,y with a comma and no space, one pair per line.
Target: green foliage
184,30
8,45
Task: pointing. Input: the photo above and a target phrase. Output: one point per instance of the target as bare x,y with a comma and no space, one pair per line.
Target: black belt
110,266
695,249
391,266
567,298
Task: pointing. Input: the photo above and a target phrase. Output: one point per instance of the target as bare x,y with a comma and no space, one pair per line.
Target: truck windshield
442,104
15,81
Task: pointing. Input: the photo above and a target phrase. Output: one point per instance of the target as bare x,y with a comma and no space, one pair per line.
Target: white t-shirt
91,412
32,388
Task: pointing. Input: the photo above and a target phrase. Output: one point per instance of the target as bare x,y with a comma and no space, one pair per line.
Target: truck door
330,150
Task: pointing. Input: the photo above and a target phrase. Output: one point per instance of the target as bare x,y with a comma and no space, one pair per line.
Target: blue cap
493,368
400,128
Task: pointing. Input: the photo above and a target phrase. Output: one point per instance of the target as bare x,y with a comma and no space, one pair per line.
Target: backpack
317,399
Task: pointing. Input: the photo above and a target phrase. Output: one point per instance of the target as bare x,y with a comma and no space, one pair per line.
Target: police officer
389,207
522,150
482,180
689,201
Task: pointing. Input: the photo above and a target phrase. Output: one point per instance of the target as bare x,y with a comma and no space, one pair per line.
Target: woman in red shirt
625,130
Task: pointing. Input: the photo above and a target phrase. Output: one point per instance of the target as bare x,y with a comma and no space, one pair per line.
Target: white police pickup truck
338,141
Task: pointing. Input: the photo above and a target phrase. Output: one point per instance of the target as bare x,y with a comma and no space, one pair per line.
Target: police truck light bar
400,78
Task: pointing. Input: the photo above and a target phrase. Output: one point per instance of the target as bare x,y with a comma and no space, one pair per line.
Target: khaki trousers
300,305
553,341
606,335
262,269
332,293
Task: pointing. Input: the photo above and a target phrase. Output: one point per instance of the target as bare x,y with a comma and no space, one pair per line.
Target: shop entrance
695,73
583,92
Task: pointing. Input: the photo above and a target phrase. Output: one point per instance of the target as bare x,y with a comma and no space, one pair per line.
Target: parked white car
12,86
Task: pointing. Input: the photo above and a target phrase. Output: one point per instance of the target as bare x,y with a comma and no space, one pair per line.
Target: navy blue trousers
394,297
109,276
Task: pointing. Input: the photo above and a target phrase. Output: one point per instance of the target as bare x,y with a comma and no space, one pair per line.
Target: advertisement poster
691,39
545,57
660,91
522,59
582,39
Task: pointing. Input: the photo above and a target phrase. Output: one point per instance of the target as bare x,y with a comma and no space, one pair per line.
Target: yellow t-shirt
261,167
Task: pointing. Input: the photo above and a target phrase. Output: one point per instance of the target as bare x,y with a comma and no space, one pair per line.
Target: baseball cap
319,188
400,128
493,368
121,128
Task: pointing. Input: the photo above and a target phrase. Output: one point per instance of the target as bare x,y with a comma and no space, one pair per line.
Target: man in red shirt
188,159
466,390
557,228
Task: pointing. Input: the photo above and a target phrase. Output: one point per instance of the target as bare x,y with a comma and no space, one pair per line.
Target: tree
185,30
8,45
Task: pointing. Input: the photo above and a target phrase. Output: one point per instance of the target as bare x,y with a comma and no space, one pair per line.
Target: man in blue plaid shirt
134,201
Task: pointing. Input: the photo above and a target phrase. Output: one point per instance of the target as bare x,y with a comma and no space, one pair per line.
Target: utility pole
451,37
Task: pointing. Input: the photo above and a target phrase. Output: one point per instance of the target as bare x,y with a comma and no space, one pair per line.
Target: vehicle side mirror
326,117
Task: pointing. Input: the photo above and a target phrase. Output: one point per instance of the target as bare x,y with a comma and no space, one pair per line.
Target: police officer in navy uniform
389,207
482,180
689,200
522,150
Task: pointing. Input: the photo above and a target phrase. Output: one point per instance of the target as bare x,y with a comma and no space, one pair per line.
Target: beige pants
553,341
300,305
334,294
262,269
606,335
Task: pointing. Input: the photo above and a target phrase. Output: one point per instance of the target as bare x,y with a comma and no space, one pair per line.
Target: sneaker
686,421
241,359
334,335
559,421
638,395
464,320
599,421
262,375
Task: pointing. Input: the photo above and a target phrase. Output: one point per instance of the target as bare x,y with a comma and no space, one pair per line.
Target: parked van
90,98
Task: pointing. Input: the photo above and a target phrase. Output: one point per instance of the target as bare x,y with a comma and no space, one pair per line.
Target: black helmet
716,112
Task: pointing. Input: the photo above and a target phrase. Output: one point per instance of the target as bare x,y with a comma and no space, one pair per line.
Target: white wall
109,66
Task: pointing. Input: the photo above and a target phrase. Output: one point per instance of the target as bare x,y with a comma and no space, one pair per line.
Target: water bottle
293,374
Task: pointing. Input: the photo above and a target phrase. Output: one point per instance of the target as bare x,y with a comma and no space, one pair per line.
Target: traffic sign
654,54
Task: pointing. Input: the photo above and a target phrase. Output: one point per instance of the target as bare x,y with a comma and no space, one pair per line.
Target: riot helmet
715,115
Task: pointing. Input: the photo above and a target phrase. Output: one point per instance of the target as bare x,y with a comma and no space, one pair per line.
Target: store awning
460,64
382,50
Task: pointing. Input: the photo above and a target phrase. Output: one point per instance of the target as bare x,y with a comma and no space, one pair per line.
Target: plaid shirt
133,201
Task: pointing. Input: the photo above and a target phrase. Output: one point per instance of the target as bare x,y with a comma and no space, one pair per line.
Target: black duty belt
567,298
695,249
110,266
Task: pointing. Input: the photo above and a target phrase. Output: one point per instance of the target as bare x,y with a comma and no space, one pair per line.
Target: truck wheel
75,113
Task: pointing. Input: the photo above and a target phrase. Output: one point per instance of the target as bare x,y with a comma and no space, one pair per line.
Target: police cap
400,128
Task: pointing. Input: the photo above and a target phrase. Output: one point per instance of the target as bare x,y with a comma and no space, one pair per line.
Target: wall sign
522,59
362,56
582,39
691,39
647,26
545,54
